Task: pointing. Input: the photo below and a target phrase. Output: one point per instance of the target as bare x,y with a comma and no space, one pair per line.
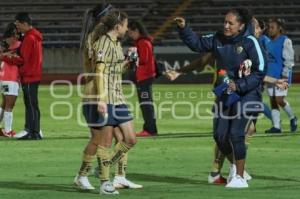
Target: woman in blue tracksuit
231,47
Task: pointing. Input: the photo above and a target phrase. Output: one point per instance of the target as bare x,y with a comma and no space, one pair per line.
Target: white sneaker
121,182
41,134
232,172
24,132
237,182
107,188
21,134
247,176
82,182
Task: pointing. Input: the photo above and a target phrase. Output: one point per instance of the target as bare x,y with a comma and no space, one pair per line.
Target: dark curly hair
10,31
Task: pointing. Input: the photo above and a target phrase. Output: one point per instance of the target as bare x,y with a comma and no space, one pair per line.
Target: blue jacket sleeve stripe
260,55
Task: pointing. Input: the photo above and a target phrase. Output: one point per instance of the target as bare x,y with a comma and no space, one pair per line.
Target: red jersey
10,72
30,61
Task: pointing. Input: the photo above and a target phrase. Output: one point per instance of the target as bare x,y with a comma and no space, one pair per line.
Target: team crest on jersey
100,54
239,49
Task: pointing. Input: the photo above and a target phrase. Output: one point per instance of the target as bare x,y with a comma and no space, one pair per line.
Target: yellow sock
120,149
103,156
218,160
86,164
120,169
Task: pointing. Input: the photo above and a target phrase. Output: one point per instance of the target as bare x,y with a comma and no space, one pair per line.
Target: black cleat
273,130
30,136
293,124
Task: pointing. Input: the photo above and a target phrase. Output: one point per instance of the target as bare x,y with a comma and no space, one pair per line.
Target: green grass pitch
173,165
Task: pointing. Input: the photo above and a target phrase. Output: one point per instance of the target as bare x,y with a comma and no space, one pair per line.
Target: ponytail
88,24
108,23
91,18
99,30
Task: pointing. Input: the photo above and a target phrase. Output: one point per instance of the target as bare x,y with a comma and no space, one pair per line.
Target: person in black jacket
232,47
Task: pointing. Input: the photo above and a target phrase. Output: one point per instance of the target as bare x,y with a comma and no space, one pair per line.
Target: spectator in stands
9,79
30,61
231,47
91,25
144,75
280,64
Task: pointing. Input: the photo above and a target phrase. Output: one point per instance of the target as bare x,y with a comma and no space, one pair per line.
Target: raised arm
193,41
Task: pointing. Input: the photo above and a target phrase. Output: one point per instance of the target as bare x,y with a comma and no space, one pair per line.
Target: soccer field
173,165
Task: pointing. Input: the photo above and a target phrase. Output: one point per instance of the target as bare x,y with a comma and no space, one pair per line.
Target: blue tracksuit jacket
230,52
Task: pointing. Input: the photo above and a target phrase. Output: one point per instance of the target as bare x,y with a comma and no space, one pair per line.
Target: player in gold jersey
104,105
